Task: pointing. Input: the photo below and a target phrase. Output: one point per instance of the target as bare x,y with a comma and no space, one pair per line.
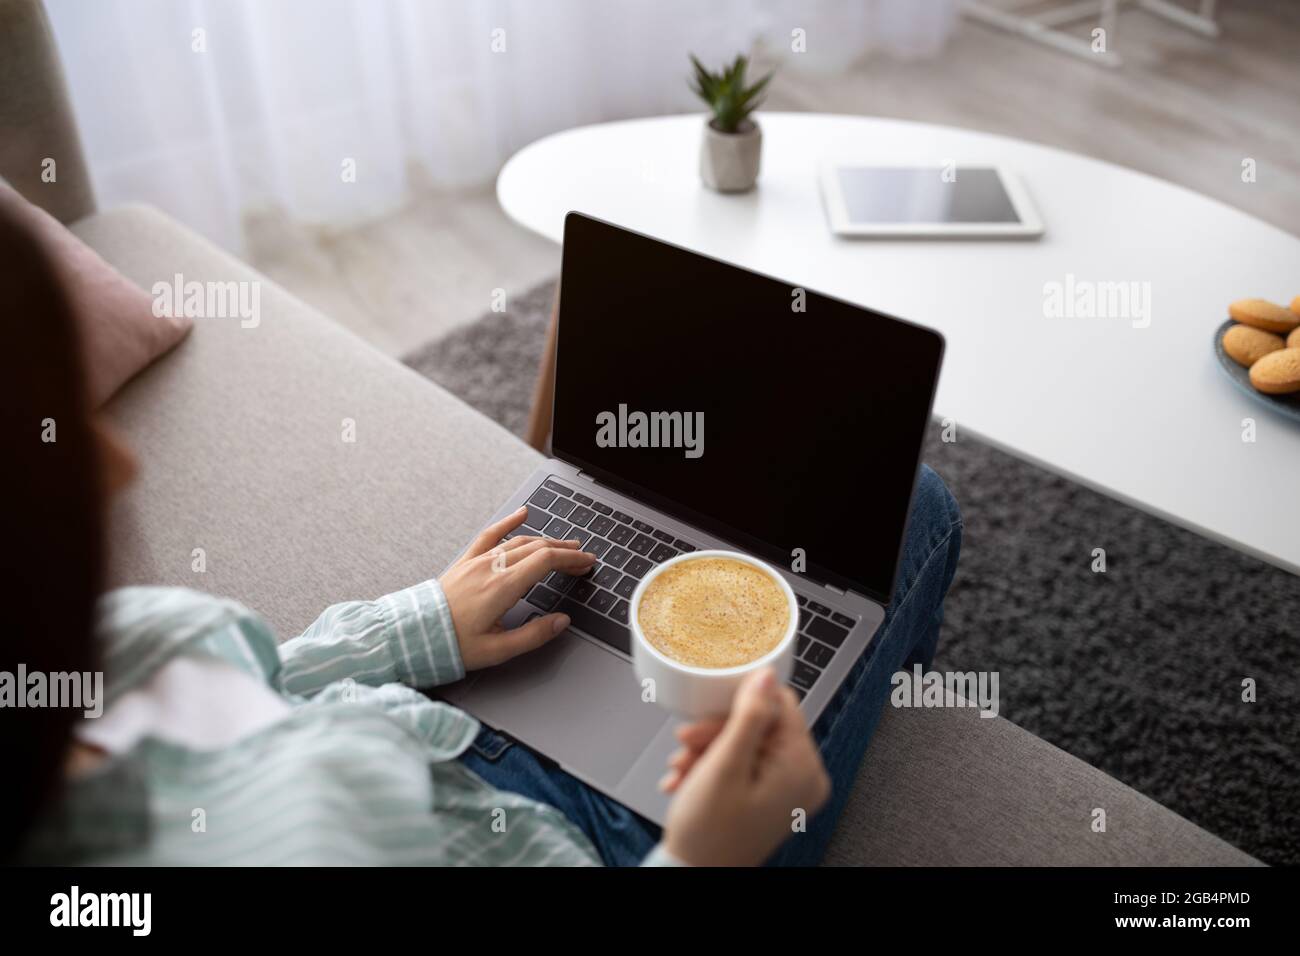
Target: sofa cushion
240,433
119,330
946,787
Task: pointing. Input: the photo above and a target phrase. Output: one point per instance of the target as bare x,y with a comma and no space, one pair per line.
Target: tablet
936,201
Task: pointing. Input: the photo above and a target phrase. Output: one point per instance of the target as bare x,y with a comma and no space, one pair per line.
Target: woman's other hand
740,783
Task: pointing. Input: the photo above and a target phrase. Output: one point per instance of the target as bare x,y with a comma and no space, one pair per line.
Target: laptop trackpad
578,704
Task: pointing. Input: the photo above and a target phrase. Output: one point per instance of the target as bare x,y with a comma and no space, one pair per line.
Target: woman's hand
490,578
740,782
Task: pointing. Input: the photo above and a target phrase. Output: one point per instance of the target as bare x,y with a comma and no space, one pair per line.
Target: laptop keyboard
626,548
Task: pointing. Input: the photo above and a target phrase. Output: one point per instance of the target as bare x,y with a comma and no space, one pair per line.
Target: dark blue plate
1286,405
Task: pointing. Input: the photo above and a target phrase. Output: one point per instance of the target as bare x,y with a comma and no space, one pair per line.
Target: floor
403,280
1183,108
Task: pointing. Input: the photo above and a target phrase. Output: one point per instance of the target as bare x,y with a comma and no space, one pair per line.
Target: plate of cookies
1259,348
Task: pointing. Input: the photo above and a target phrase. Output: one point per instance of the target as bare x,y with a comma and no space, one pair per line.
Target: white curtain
211,108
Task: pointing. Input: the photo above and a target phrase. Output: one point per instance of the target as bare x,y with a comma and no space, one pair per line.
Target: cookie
1295,305
1293,340
1247,346
1262,314
1277,373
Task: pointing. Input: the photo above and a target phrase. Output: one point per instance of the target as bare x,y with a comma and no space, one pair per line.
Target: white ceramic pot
694,692
729,161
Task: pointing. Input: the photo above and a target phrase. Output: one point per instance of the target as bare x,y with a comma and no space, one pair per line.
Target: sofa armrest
945,786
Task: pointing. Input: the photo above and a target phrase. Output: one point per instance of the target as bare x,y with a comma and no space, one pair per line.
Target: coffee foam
714,612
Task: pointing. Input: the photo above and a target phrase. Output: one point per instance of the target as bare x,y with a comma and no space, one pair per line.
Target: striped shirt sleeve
405,637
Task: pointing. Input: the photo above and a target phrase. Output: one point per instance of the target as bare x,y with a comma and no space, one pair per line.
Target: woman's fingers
489,536
502,582
695,739
517,541
502,647
522,539
700,734
682,761
679,765
756,710
541,562
505,556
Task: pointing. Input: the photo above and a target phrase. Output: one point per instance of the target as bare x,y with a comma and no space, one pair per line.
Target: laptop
797,438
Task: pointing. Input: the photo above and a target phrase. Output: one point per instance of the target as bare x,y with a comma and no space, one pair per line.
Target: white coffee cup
695,692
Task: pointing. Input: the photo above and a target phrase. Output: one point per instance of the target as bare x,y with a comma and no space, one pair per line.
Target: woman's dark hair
52,529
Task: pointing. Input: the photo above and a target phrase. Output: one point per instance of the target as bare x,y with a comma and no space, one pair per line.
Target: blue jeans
908,635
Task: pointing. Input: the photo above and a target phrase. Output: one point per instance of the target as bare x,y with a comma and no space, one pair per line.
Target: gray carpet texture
1138,669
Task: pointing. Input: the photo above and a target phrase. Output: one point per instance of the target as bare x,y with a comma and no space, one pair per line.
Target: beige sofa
239,436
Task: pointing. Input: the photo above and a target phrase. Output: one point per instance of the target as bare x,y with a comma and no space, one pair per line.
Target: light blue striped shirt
361,770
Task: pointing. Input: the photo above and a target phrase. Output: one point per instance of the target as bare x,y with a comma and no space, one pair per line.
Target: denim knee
934,498
935,522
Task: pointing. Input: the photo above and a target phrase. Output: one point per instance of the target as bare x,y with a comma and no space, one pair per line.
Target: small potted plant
733,142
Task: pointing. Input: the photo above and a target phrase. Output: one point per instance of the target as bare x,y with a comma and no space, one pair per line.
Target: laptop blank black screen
812,420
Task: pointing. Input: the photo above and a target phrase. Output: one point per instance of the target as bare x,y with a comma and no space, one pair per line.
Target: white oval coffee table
1139,413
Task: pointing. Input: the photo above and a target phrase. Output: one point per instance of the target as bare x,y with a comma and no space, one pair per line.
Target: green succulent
729,99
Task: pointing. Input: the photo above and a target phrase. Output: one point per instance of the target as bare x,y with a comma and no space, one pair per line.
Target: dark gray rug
1138,670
